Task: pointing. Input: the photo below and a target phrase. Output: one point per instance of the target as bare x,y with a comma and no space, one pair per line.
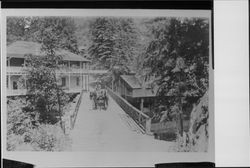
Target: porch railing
19,92
139,117
21,70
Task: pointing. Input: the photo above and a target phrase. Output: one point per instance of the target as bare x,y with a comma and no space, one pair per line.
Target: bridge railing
73,117
139,117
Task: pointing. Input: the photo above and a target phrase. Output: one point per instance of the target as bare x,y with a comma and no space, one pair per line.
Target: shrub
13,141
49,138
44,138
25,133
19,124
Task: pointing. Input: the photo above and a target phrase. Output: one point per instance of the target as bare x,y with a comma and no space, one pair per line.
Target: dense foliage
48,98
178,58
113,45
46,101
43,87
37,28
16,29
197,138
26,133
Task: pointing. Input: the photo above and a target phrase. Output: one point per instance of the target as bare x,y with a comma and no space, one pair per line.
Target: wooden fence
168,127
139,117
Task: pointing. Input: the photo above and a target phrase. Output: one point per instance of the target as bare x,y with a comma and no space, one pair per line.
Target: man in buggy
99,97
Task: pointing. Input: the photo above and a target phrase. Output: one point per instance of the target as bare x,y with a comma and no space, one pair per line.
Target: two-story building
73,77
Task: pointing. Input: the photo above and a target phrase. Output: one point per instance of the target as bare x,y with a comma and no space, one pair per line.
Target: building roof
132,81
19,48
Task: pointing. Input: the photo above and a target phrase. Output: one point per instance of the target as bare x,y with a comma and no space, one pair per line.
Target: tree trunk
180,124
180,112
180,119
59,103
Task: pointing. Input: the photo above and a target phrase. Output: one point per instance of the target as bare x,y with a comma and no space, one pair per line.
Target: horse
102,99
93,97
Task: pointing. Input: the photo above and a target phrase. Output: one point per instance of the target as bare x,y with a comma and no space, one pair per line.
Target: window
63,81
17,62
64,63
77,81
75,64
14,85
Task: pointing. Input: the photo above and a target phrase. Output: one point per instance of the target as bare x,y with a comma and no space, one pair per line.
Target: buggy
99,99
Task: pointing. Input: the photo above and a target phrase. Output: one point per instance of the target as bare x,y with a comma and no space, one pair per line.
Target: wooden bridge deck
111,130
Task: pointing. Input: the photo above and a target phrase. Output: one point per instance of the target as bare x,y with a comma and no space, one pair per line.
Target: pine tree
113,45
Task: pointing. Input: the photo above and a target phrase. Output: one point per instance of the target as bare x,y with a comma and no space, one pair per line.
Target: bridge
112,130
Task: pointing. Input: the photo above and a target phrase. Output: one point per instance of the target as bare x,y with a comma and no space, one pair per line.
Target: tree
53,33
16,29
48,98
62,27
102,37
178,57
113,45
33,29
32,123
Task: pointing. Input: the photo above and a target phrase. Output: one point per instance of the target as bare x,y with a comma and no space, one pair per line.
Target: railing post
148,126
